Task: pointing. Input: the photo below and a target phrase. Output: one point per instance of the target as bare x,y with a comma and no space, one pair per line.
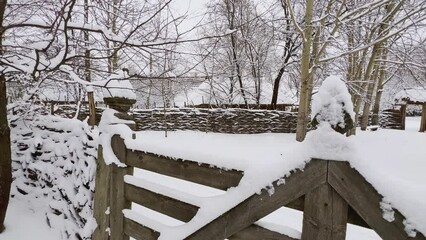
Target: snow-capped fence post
109,192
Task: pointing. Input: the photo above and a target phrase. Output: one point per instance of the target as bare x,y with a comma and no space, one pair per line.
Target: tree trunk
372,80
306,77
276,88
87,66
5,154
376,107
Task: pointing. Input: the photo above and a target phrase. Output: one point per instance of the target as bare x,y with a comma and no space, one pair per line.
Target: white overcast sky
195,9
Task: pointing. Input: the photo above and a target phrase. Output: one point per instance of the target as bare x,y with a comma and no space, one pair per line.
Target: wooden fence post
423,119
325,215
403,114
109,186
101,198
117,199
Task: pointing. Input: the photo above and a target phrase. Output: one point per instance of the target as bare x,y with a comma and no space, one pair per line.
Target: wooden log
139,232
255,232
200,173
118,201
402,115
423,120
101,198
365,200
325,215
260,205
160,203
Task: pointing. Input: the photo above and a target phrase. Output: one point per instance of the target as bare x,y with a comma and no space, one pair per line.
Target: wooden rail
330,193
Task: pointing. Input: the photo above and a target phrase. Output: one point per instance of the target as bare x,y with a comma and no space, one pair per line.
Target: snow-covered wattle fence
242,121
54,161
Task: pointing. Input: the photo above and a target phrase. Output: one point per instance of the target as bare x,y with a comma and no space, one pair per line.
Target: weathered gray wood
353,217
325,215
365,200
117,199
139,232
160,203
423,119
403,115
260,205
188,170
254,232
101,198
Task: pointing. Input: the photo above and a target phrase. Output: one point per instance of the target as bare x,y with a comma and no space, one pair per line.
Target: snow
119,86
396,169
108,127
389,169
417,94
20,217
331,100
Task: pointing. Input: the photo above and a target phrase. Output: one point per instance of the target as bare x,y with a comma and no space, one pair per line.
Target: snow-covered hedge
54,161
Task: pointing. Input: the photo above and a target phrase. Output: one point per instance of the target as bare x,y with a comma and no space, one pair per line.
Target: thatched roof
412,95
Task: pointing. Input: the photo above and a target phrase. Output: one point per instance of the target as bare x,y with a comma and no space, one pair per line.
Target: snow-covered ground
412,124
392,160
23,223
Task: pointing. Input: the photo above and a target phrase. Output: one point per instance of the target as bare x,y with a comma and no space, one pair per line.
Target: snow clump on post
119,93
332,104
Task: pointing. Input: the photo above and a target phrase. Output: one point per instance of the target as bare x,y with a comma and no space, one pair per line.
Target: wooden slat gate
330,193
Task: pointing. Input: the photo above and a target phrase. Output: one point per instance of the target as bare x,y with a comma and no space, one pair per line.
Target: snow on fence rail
330,193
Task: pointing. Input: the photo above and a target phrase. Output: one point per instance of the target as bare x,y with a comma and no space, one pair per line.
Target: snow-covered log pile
54,160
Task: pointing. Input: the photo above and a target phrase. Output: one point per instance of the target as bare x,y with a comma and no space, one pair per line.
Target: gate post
118,201
325,215
109,184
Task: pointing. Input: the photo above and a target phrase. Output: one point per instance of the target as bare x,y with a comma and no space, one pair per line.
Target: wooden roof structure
330,193
414,96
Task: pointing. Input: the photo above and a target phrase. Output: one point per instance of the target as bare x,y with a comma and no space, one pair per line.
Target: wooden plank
325,215
353,217
117,199
260,205
187,170
160,203
254,232
402,115
101,198
423,119
139,232
365,200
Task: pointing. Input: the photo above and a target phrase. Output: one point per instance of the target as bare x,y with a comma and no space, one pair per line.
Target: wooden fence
330,194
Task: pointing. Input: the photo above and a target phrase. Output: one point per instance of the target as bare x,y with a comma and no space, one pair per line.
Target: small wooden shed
413,96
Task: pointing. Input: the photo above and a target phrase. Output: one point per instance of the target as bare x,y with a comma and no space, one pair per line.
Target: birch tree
322,28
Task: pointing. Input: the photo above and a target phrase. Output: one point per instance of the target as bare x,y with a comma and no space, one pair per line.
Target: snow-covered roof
416,95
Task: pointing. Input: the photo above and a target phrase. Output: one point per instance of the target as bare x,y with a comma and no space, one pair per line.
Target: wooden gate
330,194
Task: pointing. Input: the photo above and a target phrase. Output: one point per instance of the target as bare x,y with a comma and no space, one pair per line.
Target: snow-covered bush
54,161
332,104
